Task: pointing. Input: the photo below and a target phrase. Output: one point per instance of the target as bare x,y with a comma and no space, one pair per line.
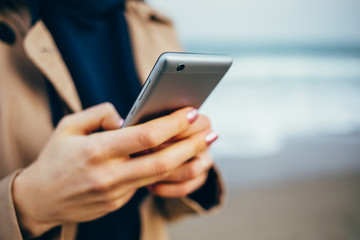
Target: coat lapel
41,49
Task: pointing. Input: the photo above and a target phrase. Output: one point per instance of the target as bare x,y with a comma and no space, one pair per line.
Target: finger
107,178
145,136
176,190
110,206
192,169
166,160
104,194
100,116
96,209
201,124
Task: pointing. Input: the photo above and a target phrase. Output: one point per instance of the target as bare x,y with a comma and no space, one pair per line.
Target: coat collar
41,49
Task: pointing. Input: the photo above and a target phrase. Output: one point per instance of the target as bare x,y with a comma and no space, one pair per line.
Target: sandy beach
316,203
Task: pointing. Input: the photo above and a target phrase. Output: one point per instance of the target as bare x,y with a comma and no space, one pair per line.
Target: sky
265,21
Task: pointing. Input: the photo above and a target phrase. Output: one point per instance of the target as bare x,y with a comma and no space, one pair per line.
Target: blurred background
288,114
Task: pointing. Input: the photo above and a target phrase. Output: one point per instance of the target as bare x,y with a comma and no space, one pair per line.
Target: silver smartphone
177,80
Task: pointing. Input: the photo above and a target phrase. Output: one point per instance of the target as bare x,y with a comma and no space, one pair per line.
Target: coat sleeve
9,226
206,199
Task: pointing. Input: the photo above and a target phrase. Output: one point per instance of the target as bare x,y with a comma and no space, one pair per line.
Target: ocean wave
265,100
294,68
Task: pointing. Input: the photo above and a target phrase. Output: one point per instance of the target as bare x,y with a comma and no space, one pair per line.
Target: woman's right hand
81,175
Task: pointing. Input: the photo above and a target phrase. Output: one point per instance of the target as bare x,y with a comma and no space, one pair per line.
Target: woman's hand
81,175
192,174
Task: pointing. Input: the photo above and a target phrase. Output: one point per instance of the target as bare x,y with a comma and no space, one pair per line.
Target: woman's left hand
191,175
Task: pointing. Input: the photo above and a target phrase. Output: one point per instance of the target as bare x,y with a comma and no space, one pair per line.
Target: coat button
7,34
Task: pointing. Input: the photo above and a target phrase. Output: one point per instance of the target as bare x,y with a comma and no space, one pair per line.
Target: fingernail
121,122
192,115
211,137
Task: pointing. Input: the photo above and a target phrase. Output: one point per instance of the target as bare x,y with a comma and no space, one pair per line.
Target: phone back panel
169,87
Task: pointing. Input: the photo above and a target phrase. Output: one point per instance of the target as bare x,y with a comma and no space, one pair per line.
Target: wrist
26,213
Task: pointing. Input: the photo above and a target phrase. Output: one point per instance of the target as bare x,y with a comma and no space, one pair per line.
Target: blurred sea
273,95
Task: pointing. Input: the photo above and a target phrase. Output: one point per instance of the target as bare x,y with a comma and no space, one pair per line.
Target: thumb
94,118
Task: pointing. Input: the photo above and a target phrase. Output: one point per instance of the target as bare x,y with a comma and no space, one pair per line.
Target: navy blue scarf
93,39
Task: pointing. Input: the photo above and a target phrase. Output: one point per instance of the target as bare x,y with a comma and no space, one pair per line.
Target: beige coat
25,117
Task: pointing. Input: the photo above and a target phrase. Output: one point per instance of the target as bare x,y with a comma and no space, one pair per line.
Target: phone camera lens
180,67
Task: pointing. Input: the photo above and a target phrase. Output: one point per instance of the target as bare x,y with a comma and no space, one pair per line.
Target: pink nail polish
192,115
121,122
211,137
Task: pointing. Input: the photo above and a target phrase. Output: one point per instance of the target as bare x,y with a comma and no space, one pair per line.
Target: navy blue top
93,39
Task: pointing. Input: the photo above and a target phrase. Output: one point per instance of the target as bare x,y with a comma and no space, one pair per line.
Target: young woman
68,71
